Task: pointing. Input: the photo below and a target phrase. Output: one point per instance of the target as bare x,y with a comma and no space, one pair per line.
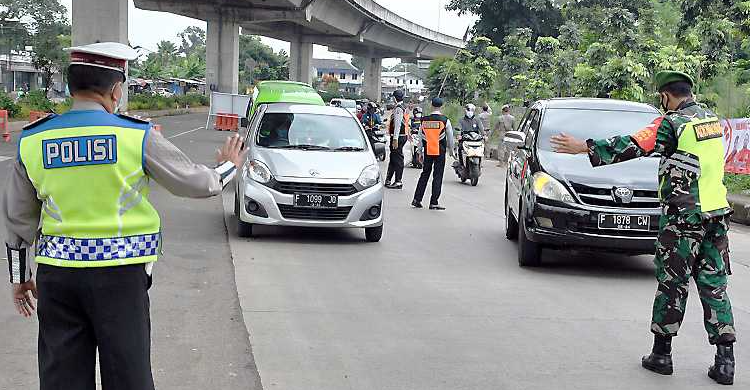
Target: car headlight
369,176
546,186
258,171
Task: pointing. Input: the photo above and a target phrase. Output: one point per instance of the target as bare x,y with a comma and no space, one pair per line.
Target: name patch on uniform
432,125
709,130
76,151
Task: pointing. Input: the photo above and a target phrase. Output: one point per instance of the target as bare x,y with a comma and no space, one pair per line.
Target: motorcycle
376,135
471,154
416,157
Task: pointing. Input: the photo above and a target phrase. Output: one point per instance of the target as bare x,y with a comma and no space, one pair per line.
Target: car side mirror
379,148
515,138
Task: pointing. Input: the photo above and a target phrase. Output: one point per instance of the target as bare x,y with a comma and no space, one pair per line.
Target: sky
428,13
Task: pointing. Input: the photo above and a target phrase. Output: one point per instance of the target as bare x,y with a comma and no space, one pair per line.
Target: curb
741,206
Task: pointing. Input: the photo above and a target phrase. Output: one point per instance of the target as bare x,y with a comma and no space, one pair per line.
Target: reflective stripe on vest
87,169
433,127
703,138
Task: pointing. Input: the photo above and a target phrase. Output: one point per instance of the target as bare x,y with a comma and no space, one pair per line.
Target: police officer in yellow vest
693,236
77,202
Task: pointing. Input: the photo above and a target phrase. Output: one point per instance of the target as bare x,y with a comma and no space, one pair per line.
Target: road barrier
37,115
227,109
4,125
226,122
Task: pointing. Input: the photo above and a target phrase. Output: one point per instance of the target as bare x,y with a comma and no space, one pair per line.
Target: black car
560,201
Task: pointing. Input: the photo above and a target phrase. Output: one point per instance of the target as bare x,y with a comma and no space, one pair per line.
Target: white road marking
5,158
184,132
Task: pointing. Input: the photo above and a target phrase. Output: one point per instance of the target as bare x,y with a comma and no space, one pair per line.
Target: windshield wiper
305,147
349,149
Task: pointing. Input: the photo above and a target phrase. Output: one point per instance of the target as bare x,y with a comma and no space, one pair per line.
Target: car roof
287,92
295,108
597,104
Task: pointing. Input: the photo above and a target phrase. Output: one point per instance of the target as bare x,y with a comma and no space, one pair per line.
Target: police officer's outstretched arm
172,169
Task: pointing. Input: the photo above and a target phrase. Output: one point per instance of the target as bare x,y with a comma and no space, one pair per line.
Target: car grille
601,196
337,214
292,188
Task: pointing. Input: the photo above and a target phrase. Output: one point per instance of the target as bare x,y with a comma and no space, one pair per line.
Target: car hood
315,164
638,174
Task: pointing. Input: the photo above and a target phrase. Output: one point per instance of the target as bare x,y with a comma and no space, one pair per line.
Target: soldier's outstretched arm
174,170
21,210
657,137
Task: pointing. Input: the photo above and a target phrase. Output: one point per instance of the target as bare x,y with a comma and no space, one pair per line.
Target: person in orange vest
436,134
398,129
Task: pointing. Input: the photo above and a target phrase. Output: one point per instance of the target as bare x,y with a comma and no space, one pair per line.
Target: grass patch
737,184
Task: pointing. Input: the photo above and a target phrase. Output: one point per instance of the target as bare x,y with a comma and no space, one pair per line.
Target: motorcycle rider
470,123
371,118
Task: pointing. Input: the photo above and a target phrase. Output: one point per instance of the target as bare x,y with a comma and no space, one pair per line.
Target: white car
164,92
350,105
309,166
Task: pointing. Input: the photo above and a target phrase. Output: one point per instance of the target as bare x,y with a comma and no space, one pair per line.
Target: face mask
118,102
664,101
418,115
469,114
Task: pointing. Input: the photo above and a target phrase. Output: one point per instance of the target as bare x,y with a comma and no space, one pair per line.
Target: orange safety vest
433,128
405,123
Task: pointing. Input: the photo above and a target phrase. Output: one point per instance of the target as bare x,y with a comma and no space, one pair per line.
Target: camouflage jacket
678,189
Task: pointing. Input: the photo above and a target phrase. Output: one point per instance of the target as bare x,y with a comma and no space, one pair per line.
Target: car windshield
310,132
591,124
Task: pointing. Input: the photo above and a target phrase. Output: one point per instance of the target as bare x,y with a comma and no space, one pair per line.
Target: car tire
374,234
474,181
529,252
511,224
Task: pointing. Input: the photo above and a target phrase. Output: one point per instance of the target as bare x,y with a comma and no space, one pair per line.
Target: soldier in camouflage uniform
693,239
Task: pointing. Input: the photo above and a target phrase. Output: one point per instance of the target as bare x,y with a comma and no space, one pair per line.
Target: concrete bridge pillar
222,55
372,83
101,21
300,61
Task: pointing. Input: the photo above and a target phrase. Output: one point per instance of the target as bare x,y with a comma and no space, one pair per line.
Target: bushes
6,103
36,101
737,183
156,102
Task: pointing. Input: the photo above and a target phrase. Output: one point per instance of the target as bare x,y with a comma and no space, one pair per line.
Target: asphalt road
439,303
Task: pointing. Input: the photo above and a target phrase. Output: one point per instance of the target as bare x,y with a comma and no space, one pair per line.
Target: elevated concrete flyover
359,27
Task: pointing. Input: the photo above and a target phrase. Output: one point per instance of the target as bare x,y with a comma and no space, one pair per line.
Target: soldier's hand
24,295
233,150
563,143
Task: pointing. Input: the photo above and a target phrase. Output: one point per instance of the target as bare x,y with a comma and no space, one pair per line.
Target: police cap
398,94
107,55
437,102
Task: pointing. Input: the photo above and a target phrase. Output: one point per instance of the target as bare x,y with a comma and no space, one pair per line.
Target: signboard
737,145
226,103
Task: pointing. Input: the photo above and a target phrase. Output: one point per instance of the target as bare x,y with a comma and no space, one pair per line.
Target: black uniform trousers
434,165
84,309
396,161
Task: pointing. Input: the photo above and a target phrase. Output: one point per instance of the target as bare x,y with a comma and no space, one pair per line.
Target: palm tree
166,50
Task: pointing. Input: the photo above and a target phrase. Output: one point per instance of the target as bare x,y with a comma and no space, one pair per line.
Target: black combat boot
660,360
722,371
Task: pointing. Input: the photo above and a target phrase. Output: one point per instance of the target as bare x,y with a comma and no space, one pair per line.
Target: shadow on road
301,235
595,264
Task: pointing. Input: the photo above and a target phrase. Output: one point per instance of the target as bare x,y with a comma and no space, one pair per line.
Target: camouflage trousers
691,247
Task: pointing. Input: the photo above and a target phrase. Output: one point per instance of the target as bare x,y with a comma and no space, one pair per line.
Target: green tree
498,19
266,64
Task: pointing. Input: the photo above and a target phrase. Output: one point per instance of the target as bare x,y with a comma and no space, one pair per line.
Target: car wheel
474,181
374,234
529,253
511,225
244,229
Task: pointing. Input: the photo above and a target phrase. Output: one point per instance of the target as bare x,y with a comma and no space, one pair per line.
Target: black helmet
372,105
398,94
417,110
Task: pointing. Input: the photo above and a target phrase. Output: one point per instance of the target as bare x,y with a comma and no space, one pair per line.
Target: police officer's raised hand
233,150
24,295
563,143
